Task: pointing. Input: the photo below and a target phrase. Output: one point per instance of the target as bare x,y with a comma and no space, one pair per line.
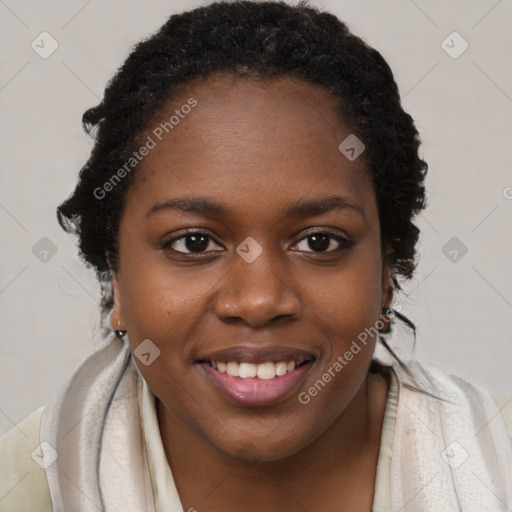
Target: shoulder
452,387
23,484
505,407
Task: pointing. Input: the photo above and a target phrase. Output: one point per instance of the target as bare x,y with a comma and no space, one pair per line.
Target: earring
120,333
390,313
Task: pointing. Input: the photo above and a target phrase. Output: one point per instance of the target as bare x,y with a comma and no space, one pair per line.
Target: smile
263,371
256,379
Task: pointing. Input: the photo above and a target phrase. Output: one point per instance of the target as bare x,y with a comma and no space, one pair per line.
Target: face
250,257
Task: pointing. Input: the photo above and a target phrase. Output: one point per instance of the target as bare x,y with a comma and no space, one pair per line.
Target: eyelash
345,243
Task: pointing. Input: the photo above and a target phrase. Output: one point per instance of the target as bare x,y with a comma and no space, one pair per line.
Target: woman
248,207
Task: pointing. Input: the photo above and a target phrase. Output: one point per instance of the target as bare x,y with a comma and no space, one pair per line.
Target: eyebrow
297,208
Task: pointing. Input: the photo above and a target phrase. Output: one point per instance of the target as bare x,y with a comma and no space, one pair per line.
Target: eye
322,241
190,242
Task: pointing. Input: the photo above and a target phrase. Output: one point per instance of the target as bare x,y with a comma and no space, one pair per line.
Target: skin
255,146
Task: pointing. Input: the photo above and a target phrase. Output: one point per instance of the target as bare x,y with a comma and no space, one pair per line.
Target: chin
268,445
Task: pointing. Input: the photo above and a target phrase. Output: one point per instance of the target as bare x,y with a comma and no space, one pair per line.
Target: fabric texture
447,453
23,484
94,425
457,445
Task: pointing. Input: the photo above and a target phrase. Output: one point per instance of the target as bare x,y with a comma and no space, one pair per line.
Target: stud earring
390,313
120,333
387,320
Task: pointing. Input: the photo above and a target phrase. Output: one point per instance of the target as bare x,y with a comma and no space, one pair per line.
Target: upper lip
258,355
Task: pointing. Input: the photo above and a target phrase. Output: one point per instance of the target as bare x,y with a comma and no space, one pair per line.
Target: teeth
281,368
264,371
232,369
246,370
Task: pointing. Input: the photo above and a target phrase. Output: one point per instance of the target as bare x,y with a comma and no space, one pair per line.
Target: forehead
250,140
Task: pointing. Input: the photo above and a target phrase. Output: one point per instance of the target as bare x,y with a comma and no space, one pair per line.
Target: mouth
263,371
257,377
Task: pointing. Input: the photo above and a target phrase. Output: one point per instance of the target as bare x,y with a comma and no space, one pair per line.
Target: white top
166,495
23,483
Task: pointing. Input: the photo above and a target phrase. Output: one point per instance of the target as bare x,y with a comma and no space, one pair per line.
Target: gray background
463,110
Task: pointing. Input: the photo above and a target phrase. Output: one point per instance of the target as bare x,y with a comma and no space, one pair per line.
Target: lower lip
254,391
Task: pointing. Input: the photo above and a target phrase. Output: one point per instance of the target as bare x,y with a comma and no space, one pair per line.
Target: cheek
168,307
154,308
158,310
156,297
348,299
348,313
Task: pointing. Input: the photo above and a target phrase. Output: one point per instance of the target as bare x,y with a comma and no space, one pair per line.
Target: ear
388,287
117,321
386,293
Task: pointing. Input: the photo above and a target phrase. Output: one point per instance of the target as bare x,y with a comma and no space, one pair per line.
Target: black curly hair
267,39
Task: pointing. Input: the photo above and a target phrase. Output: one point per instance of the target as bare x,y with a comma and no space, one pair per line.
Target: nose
257,293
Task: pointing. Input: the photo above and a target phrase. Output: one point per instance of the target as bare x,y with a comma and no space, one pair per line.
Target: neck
338,467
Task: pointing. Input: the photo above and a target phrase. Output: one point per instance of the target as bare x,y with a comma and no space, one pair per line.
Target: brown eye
322,241
192,242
